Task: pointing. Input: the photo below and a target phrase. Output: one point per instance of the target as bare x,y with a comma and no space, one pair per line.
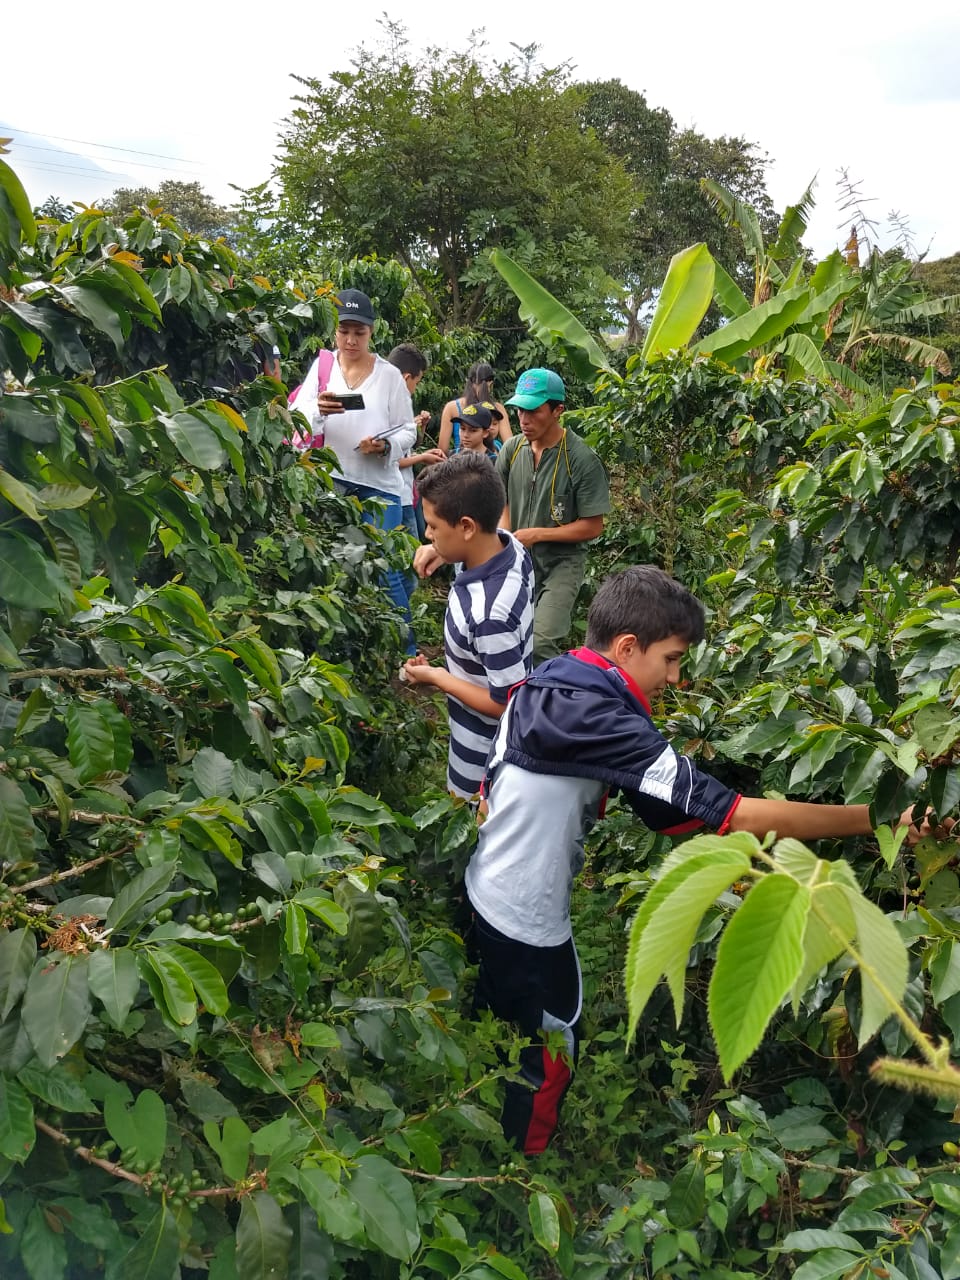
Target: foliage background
267,1070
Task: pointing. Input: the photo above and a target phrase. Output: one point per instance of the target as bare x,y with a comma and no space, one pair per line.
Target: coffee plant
233,985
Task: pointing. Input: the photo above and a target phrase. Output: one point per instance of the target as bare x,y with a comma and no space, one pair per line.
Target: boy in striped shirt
488,628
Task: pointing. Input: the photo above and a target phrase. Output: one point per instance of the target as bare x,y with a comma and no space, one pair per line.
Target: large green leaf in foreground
684,297
759,958
548,318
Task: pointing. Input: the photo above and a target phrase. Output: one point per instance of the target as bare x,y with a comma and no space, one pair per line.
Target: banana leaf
932,307
758,327
684,297
793,224
549,320
731,299
843,374
795,275
736,214
803,358
824,300
828,271
912,350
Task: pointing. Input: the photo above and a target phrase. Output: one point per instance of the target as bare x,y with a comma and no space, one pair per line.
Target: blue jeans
414,524
389,516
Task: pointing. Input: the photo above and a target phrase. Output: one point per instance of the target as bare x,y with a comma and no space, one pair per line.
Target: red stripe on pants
546,1103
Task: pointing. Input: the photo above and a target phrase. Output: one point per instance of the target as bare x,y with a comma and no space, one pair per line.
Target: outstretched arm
805,821
418,671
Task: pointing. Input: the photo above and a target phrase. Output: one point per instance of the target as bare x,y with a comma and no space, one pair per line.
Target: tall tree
437,158
666,165
187,202
54,207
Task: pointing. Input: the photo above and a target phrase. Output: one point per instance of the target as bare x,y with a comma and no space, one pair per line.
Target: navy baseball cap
536,387
475,415
356,306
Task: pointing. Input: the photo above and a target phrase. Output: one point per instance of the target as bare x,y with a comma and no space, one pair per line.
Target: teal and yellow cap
535,387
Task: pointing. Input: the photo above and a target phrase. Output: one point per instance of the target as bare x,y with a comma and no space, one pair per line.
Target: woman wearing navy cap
367,457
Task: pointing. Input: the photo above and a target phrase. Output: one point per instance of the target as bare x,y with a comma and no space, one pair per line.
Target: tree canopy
667,165
187,202
438,158
54,207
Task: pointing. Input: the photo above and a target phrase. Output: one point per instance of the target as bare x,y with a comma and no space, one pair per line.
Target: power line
105,146
104,174
137,164
62,168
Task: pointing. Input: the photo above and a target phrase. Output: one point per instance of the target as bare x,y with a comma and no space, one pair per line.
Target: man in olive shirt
557,497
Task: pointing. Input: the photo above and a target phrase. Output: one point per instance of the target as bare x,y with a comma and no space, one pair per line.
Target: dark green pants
555,595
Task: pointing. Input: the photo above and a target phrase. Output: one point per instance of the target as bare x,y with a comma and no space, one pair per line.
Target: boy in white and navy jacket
579,727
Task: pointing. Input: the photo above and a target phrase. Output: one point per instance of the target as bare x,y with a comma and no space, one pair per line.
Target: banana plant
683,302
858,307
768,262
549,320
684,298
886,302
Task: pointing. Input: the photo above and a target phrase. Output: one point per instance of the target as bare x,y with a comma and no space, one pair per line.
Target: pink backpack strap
325,361
324,369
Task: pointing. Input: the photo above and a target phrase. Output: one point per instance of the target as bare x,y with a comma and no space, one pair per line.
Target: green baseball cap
535,387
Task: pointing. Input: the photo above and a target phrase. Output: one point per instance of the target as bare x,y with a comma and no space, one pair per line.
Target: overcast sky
199,91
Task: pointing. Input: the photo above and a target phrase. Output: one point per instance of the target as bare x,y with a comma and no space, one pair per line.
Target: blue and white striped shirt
488,640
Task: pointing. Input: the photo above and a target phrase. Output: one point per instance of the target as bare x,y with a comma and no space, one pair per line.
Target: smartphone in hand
351,400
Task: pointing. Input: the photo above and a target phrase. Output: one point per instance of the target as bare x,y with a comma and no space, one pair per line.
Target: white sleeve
401,442
399,409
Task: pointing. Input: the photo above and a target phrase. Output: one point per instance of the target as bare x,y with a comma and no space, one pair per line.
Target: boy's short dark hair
645,602
465,485
408,359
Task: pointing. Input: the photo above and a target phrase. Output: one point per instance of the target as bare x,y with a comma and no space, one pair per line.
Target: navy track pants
539,990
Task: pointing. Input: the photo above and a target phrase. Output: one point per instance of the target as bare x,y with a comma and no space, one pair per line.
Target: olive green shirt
568,484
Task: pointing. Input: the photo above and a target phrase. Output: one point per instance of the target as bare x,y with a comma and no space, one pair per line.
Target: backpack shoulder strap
324,369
